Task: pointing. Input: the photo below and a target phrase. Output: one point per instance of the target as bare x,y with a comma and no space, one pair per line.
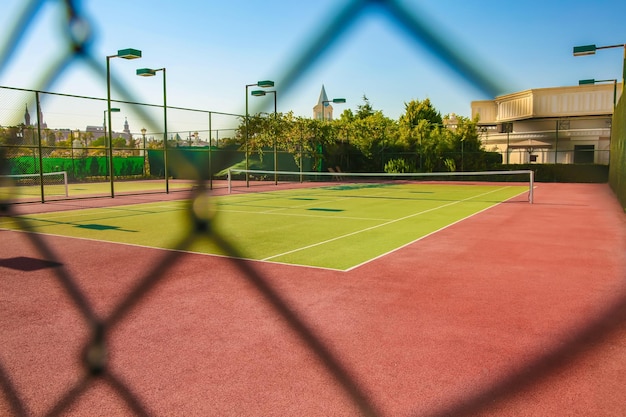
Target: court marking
181,205
429,234
381,225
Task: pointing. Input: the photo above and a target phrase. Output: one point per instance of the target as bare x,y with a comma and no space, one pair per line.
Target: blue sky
212,49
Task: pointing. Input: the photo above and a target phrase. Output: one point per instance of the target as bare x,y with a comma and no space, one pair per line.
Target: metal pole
143,133
508,137
210,163
624,69
110,137
246,137
531,197
556,143
39,146
167,183
275,152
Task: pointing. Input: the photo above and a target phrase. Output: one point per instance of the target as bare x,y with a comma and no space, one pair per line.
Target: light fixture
585,50
335,100
591,50
262,84
146,72
128,53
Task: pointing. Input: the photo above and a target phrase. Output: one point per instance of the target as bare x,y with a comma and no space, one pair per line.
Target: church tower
43,124
323,109
127,133
27,117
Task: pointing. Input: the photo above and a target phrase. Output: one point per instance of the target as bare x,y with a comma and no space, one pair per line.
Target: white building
550,125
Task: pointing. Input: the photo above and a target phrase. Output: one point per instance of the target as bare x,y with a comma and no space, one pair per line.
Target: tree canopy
421,140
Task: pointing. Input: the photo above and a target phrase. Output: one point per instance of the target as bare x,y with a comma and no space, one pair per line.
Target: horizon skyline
372,54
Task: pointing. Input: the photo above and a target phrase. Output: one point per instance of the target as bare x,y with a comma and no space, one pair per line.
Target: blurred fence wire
79,48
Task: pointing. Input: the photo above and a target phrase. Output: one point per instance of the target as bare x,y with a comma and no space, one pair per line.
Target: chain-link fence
137,153
127,158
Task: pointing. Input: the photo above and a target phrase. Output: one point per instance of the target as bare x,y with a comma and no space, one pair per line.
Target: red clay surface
518,311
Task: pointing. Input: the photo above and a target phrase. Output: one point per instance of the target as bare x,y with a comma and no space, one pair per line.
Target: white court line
430,234
273,213
380,225
92,212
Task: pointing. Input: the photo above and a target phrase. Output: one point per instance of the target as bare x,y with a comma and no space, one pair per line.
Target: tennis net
244,178
19,185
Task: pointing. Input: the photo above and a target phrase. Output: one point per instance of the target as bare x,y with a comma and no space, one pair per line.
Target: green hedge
617,163
590,173
78,168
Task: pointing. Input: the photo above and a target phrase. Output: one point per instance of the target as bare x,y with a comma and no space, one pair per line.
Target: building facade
561,125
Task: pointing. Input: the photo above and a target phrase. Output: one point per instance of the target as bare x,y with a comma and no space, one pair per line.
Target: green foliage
399,166
119,143
416,111
369,141
364,110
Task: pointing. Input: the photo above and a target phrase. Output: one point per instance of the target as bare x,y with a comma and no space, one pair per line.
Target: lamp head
258,93
589,81
265,84
339,100
146,72
115,110
129,53
584,50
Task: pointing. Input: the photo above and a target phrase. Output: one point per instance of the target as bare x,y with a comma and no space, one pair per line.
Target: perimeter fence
83,148
133,159
617,165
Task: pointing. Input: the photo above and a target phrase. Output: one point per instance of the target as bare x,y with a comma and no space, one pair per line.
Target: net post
228,179
67,193
531,197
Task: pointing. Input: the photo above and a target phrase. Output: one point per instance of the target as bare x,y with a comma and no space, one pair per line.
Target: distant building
27,119
64,134
99,131
323,109
562,125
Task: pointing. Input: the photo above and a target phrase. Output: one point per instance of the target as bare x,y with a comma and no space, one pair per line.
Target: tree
417,110
364,110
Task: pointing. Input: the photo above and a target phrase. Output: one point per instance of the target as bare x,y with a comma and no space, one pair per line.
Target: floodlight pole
262,84
106,137
591,50
260,93
149,72
614,81
128,53
324,103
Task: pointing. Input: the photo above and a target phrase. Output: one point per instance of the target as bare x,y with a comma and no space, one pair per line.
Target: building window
583,154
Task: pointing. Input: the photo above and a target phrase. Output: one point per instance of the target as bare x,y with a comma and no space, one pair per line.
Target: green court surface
29,192
336,227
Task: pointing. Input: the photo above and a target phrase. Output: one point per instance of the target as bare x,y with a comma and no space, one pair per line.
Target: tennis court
514,310
337,226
